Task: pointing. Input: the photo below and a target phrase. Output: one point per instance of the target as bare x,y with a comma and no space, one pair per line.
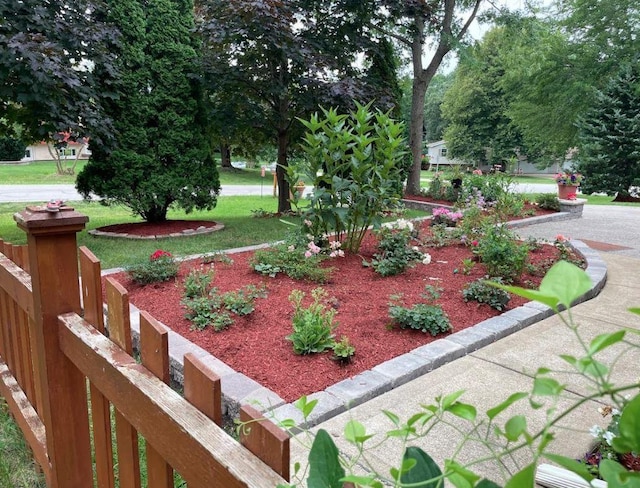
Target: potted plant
568,184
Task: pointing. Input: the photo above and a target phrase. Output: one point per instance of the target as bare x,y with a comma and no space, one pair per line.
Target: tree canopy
159,154
281,60
609,153
46,82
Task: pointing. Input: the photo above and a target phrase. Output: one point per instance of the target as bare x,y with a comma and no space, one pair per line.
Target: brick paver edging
238,389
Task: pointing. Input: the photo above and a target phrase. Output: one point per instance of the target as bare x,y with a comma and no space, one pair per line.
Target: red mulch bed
256,346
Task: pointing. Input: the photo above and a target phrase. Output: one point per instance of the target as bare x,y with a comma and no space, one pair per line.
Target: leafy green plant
501,253
343,350
482,292
502,437
313,325
198,281
161,266
356,164
425,317
242,302
290,260
395,253
548,201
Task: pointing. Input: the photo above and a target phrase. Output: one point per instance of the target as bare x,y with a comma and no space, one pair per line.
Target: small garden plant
161,266
501,253
395,251
206,307
343,350
482,292
425,317
313,326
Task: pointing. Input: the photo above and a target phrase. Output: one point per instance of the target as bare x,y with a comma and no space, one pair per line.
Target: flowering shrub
396,254
570,179
161,266
442,215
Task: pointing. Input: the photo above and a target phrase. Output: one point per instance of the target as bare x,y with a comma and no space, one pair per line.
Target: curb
238,389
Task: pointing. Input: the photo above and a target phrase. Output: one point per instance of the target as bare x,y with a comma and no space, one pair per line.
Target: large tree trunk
284,204
421,79
225,155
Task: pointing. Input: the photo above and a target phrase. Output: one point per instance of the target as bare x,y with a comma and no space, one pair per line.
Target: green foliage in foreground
502,437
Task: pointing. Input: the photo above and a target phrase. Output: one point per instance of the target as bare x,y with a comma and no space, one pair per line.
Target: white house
437,153
42,151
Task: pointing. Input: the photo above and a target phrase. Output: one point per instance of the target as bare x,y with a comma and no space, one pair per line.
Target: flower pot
565,190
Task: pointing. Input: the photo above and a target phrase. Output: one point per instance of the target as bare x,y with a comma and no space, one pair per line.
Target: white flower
595,431
608,436
415,248
291,248
426,258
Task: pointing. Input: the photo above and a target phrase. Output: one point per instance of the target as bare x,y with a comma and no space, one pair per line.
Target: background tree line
158,86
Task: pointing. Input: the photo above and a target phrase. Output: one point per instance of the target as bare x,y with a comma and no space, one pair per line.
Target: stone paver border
238,389
185,233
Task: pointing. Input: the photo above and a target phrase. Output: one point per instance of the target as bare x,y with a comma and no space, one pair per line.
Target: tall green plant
355,162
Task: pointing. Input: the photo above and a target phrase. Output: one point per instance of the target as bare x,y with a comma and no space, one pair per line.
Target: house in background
437,154
42,151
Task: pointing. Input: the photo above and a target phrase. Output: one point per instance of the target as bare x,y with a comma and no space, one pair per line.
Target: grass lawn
241,229
44,173
592,200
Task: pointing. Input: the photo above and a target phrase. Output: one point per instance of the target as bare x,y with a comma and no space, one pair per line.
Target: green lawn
44,173
241,229
592,200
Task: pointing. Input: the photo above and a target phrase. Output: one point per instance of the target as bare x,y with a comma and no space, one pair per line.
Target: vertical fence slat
266,440
100,409
126,435
202,388
14,333
26,356
4,335
154,351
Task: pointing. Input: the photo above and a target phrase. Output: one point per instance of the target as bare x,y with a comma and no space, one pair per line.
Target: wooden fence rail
48,353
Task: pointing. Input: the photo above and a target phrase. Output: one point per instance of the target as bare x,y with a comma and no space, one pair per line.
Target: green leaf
392,416
362,481
617,476
460,476
603,341
463,410
485,483
305,407
355,432
515,427
562,284
572,465
450,398
592,367
325,470
635,310
629,427
425,468
525,477
569,359
566,282
546,387
514,397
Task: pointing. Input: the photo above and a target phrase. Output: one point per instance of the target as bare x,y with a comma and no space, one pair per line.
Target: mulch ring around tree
158,230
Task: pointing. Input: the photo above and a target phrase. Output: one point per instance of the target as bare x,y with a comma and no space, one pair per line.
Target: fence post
53,262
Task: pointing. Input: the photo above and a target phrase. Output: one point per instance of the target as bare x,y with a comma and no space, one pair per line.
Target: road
68,193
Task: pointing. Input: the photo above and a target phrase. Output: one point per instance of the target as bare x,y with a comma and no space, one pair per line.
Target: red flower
160,254
474,243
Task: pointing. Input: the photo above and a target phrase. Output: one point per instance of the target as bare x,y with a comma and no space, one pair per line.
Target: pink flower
308,254
561,238
474,243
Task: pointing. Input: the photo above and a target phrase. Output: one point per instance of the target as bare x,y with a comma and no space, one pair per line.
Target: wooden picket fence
49,353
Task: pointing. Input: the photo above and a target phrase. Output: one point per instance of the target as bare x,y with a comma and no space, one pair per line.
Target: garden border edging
238,389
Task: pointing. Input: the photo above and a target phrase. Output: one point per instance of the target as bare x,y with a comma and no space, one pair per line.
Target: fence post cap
37,219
